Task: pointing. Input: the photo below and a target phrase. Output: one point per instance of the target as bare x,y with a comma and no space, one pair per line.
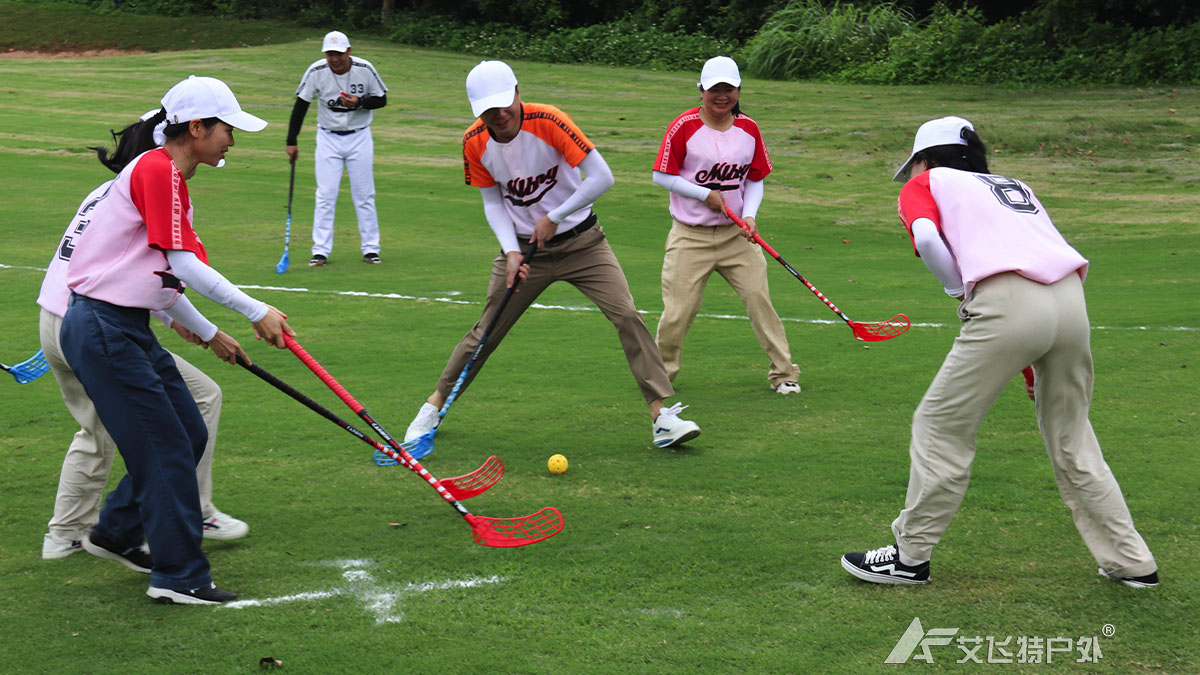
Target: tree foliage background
902,41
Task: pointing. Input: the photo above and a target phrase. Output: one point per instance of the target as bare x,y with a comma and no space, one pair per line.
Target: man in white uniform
346,89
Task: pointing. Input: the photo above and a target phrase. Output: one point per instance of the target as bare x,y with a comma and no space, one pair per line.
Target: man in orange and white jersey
528,161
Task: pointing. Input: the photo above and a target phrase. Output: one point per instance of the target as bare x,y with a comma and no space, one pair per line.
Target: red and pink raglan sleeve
760,163
673,149
916,201
159,192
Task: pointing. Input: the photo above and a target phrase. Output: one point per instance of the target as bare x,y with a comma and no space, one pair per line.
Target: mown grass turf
717,557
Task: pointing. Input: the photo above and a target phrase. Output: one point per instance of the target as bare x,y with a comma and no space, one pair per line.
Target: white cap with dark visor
198,98
942,131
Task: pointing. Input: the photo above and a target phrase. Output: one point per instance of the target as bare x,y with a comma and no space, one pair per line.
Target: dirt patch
68,54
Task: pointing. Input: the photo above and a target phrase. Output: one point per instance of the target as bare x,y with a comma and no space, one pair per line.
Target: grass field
721,556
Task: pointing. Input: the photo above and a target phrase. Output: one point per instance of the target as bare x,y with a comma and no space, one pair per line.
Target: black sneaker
137,559
1147,581
883,566
317,260
371,258
208,595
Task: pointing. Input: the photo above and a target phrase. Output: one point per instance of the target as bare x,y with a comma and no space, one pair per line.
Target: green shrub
807,39
619,43
884,46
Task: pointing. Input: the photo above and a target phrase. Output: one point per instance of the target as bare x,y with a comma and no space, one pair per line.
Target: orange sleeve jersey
536,171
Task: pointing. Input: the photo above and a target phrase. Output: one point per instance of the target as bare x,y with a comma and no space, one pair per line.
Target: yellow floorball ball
557,464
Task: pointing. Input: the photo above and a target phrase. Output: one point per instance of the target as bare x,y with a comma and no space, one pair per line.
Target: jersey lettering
519,188
67,246
1010,193
720,172
335,104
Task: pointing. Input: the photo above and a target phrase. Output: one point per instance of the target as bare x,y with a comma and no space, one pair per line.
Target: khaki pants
589,264
89,458
1010,322
693,254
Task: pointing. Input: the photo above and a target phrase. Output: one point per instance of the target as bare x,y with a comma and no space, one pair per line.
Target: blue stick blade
30,369
381,459
283,264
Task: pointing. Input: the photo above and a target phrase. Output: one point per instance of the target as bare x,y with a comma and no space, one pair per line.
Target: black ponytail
970,157
138,137
131,141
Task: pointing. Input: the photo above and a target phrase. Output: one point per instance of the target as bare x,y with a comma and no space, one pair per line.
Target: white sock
910,562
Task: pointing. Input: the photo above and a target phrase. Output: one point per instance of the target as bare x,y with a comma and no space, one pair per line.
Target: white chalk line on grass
590,308
380,599
448,298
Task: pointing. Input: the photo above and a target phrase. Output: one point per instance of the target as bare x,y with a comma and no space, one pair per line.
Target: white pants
353,153
89,458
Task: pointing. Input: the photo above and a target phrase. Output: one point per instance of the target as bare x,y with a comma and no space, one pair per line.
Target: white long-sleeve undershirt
190,318
751,198
598,178
211,284
938,258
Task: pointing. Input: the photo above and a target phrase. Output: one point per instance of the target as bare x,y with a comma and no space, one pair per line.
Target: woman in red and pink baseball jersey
136,254
713,156
991,244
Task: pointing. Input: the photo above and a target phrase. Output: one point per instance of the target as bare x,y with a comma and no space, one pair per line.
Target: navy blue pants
146,407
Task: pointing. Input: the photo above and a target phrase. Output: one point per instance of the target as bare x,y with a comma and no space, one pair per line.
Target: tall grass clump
807,39
617,43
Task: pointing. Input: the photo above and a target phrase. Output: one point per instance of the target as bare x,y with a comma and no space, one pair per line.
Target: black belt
574,231
343,133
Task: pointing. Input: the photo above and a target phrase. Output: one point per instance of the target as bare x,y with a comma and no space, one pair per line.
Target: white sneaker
670,430
222,526
426,421
787,388
54,547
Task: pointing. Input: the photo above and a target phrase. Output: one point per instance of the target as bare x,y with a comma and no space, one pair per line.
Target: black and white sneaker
317,260
1147,581
208,595
883,566
371,258
137,559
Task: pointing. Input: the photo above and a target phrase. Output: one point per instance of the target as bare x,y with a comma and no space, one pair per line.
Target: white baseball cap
491,84
719,69
942,131
159,137
335,41
198,98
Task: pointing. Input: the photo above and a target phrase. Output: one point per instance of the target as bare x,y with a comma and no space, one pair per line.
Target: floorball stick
28,370
282,265
460,487
875,331
500,532
419,447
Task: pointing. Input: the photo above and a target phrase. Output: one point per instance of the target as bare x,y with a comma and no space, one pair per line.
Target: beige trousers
1010,322
693,254
589,264
89,458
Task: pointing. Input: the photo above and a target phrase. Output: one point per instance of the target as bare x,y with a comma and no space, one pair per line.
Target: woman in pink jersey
712,156
136,254
990,243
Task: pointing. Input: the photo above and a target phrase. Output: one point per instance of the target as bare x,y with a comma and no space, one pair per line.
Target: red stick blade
477,482
880,330
509,532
